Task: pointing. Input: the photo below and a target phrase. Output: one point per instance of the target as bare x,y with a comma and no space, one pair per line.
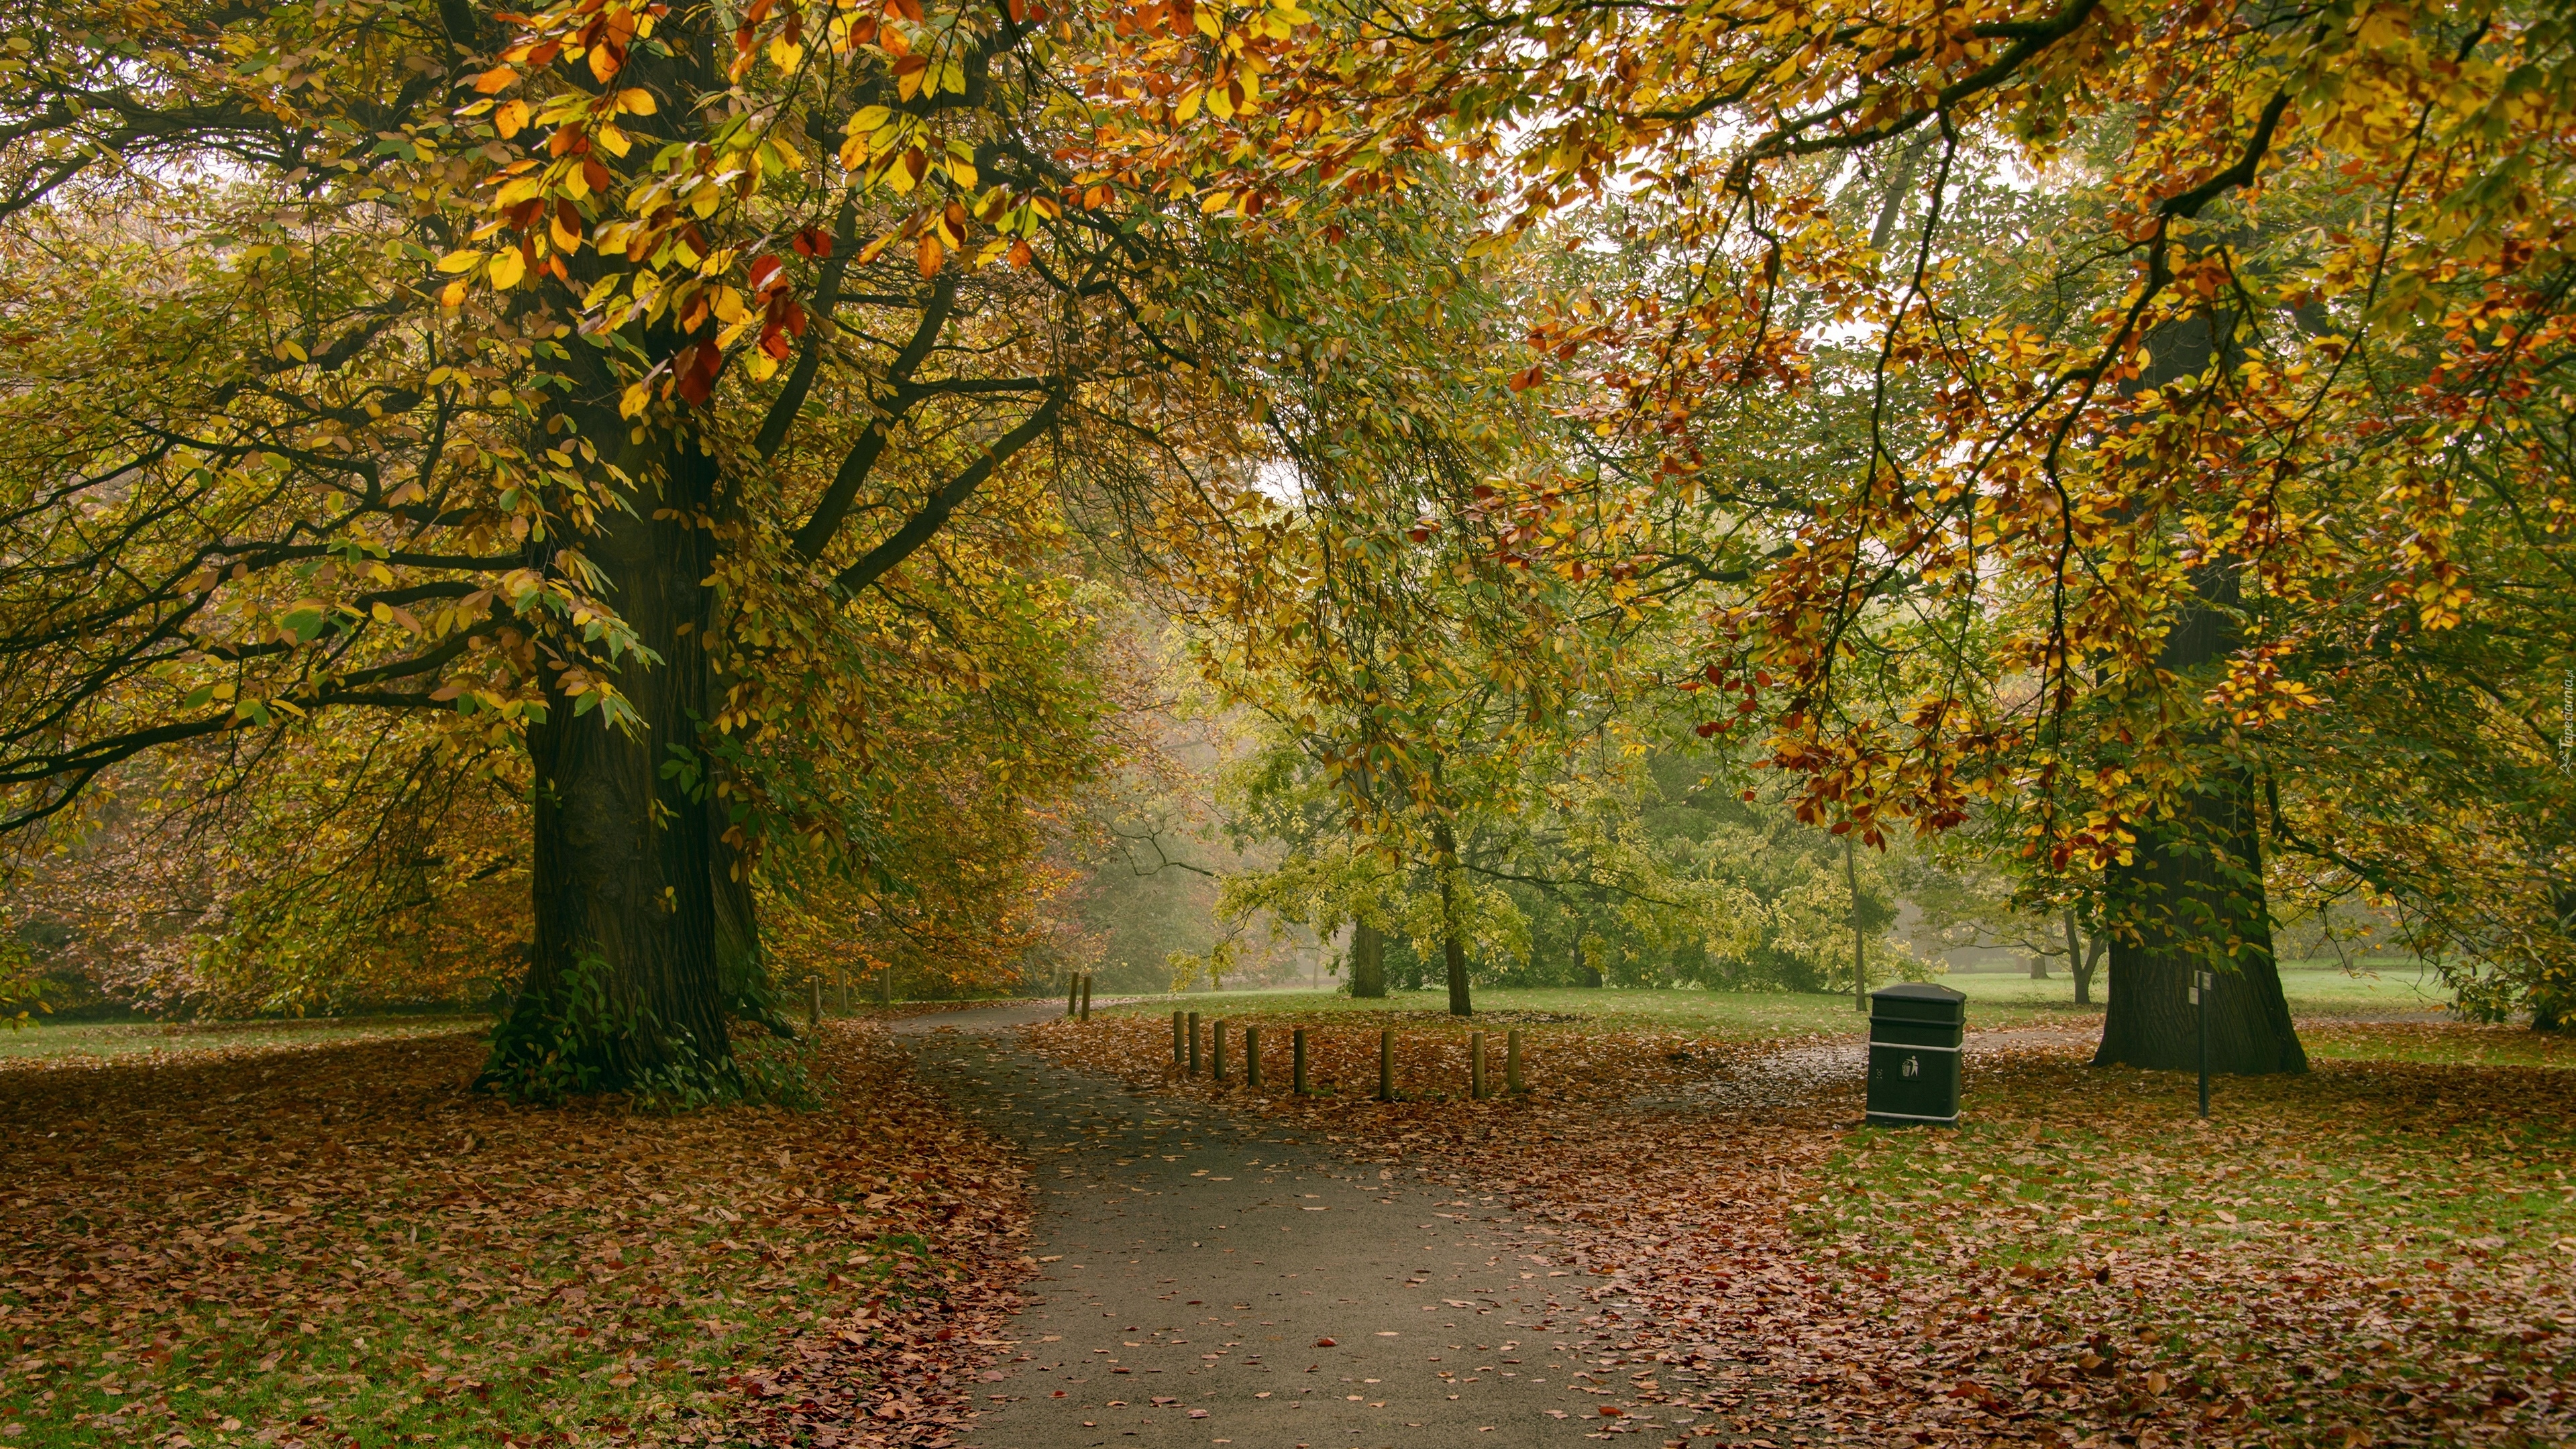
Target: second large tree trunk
2192,898
1368,962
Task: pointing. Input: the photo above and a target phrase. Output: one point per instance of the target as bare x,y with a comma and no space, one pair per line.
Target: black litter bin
1914,1034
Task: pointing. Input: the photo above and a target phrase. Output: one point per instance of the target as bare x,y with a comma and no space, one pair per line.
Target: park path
1192,1262
1205,1277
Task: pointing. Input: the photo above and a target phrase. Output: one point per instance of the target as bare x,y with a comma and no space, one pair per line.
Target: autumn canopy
653,492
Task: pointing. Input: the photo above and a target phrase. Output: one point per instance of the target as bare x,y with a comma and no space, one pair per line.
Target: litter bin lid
1919,1001
1918,991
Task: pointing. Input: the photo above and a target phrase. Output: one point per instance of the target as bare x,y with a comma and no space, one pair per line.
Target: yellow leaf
465,261
452,295
1216,201
637,101
507,268
907,170
497,78
1206,21
1189,105
868,119
928,254
1220,99
635,400
512,116
963,173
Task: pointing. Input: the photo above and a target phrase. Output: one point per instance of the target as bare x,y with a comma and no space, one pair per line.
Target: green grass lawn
1750,1014
2314,989
102,1041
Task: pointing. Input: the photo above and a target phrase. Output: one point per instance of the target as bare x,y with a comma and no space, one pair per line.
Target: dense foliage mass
529,498
621,455
2141,424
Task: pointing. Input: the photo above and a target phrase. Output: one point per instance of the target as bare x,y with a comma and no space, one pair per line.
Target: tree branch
917,529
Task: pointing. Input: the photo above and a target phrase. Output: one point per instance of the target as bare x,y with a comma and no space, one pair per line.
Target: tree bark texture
1453,946
1860,939
2192,897
1368,962
632,918
2083,958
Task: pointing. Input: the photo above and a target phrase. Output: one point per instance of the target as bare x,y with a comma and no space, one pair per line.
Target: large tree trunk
1453,945
1368,962
2192,897
637,910
626,979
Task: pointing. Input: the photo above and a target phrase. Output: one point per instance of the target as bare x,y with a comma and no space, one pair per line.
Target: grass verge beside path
71,1043
2379,1250
341,1245
2318,989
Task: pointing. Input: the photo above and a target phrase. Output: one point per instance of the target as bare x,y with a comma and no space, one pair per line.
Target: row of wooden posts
847,990
1185,1057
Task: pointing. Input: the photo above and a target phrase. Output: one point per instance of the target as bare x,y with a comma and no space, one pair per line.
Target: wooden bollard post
1086,996
1194,1043
885,986
1386,1065
1179,1055
1072,993
1476,1065
1512,1061
814,1001
1216,1029
1252,1056
1297,1041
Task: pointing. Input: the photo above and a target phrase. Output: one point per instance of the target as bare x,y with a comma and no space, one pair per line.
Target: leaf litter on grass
1735,1259
343,1245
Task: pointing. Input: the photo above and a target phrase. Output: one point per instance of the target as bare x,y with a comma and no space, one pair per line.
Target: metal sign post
2203,985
